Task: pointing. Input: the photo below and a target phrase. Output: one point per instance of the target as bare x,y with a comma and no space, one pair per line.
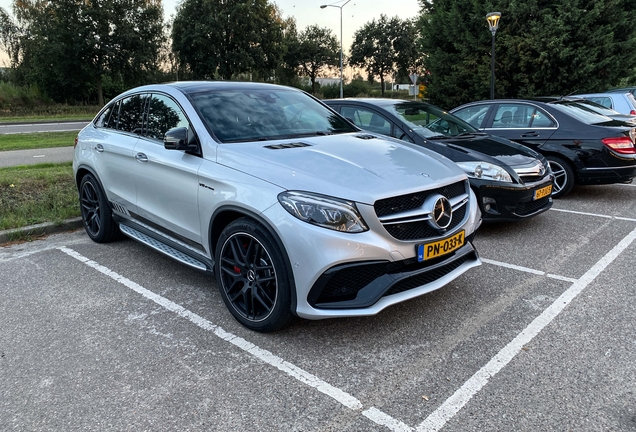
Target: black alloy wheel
563,176
253,277
96,214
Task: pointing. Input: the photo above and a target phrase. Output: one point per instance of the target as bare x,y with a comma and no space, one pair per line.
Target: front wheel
96,213
253,278
563,176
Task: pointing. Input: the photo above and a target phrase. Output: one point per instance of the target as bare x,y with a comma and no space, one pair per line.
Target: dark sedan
511,181
582,146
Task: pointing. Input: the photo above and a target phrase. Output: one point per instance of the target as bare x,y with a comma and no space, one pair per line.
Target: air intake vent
286,146
365,137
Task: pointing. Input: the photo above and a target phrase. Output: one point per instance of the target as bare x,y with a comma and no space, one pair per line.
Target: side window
474,115
367,120
605,101
511,116
104,117
541,119
131,113
113,119
164,114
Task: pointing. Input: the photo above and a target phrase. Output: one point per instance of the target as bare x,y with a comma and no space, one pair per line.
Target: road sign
413,77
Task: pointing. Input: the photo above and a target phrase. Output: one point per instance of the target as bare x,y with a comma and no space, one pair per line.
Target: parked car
295,210
624,103
582,146
512,182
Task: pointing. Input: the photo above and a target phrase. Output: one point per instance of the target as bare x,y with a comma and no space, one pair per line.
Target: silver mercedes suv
295,210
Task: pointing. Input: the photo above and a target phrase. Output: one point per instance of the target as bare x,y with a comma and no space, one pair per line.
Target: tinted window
474,115
605,101
113,120
367,119
258,114
517,115
104,117
131,113
164,114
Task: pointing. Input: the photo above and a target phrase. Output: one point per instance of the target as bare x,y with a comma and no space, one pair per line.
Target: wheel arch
225,215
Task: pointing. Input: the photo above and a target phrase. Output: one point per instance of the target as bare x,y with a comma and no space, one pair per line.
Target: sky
355,14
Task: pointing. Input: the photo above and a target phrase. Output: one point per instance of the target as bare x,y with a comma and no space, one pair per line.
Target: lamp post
339,7
493,23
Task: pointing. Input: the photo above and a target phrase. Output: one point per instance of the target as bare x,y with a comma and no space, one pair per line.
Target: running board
163,248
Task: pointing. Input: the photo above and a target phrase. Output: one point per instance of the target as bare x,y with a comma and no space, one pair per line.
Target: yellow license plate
441,247
543,192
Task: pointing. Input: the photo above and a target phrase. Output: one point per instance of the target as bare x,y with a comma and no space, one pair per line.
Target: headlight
486,171
326,212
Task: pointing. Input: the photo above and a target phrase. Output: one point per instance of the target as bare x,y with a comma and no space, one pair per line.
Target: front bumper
501,202
316,254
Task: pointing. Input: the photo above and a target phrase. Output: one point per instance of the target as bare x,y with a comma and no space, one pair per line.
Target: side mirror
178,139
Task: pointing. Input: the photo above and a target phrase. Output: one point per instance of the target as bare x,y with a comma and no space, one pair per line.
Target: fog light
490,205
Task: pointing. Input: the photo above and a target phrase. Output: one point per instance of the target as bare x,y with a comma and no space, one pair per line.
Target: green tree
543,47
317,49
71,47
385,47
228,37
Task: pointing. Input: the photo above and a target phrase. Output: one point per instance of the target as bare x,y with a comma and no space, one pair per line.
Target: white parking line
301,375
596,215
438,418
527,270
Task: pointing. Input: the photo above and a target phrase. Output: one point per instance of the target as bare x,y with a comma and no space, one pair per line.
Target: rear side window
131,114
605,101
519,116
164,114
109,117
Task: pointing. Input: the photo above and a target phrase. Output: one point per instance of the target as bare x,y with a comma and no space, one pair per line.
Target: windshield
241,115
429,121
580,112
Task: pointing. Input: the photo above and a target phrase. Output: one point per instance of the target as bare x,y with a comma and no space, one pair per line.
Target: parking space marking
438,418
265,356
594,214
527,270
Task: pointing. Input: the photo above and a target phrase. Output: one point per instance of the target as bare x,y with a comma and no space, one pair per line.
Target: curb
41,229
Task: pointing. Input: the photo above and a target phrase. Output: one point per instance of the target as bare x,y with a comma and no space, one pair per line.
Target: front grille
428,277
524,209
388,206
422,229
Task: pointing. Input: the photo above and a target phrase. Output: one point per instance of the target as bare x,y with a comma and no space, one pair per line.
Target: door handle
141,157
99,148
530,134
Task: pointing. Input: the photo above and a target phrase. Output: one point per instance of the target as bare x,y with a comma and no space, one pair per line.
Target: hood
484,147
357,166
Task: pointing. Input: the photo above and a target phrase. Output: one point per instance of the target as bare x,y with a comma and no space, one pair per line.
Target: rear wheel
96,213
253,277
563,176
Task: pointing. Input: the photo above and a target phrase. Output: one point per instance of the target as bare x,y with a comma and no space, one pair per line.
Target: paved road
37,156
42,127
541,337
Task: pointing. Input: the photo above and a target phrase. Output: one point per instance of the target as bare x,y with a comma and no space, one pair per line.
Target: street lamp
339,7
493,23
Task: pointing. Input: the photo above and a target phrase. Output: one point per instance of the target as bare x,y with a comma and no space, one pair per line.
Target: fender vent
286,146
120,208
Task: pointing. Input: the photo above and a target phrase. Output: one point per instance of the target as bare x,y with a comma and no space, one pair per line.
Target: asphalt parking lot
541,337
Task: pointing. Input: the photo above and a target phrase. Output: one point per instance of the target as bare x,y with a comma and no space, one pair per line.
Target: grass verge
47,118
37,193
37,140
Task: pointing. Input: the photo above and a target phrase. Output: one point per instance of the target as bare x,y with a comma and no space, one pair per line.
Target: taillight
620,144
633,112
75,145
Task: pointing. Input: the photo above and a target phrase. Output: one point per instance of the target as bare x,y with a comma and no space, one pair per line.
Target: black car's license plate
441,247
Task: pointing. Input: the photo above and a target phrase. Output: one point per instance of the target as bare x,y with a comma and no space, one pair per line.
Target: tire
563,176
96,213
252,276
